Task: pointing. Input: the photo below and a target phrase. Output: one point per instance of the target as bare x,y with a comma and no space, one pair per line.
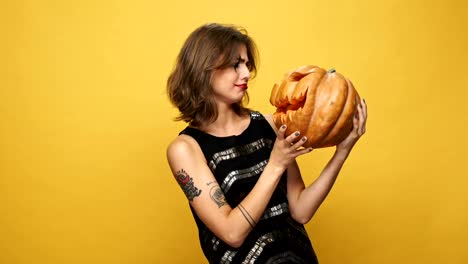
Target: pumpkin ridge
314,126
340,122
310,100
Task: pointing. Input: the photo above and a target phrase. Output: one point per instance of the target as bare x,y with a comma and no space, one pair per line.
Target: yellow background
85,122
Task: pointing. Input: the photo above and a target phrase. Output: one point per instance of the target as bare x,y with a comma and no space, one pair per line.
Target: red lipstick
242,86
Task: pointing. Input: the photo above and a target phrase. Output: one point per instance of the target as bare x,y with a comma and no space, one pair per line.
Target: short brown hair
208,48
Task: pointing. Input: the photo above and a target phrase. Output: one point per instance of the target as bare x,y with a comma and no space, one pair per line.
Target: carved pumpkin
319,104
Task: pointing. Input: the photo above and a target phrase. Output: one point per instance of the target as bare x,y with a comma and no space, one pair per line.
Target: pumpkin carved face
319,104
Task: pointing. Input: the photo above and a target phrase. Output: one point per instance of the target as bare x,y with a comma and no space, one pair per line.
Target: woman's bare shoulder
181,146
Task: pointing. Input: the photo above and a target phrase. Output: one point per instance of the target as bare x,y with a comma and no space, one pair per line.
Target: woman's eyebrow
240,59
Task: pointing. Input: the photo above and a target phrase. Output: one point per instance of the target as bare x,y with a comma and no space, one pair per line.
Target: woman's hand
359,128
287,149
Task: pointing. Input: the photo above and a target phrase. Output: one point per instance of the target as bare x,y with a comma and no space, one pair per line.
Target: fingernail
304,139
310,149
297,133
283,126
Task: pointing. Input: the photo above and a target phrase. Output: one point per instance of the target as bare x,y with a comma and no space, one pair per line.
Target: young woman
238,172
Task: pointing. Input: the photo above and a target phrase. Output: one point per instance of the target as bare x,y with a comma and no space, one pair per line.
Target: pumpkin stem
332,70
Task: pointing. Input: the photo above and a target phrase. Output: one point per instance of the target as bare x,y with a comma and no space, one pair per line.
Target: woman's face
230,84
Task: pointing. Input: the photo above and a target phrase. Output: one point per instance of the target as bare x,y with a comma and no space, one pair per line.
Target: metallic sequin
256,115
276,210
228,256
242,174
259,245
238,151
215,243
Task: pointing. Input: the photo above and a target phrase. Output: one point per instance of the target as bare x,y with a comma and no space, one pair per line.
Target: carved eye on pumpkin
318,103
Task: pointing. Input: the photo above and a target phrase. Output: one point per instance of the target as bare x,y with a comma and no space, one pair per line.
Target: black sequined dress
237,162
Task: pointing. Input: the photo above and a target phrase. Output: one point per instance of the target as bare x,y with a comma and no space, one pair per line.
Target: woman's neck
228,123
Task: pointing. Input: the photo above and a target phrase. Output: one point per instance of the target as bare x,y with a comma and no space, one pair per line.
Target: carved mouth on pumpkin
292,107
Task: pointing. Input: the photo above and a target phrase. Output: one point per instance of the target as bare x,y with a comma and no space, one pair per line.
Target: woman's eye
236,65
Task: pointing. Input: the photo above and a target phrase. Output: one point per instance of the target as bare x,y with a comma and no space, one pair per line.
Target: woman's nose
245,73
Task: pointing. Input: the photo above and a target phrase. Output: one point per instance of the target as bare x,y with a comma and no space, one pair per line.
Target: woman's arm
304,202
232,225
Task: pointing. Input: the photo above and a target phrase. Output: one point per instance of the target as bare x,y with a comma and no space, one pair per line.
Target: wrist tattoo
187,185
247,216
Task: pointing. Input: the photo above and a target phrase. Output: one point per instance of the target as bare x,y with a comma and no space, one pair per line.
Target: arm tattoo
186,183
217,194
247,216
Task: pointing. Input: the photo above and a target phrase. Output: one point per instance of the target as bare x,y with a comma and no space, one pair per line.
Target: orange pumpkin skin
319,104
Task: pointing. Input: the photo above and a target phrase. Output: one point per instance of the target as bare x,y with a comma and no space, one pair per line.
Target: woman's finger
293,137
281,131
363,117
303,151
364,108
360,120
299,143
356,122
